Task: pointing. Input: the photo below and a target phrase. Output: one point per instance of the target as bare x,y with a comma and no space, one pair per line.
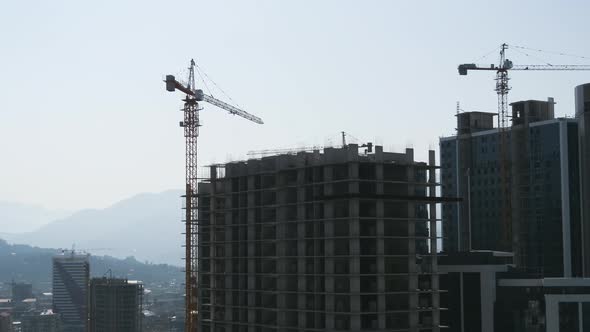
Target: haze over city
294,166
85,120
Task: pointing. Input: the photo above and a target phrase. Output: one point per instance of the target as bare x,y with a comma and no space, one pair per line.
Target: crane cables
496,49
550,52
202,73
533,56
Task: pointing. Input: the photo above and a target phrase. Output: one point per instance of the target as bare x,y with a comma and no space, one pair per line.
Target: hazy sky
85,119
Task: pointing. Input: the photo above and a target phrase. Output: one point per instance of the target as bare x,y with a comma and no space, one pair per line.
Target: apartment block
335,240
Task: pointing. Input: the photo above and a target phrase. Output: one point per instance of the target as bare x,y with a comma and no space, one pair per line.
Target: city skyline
367,183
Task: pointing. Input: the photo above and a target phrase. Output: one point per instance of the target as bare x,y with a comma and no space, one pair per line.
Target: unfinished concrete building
115,305
320,241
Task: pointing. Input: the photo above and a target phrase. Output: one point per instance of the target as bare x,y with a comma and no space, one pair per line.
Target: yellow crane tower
191,126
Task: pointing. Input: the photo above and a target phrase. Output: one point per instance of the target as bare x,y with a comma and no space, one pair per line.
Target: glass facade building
70,290
535,213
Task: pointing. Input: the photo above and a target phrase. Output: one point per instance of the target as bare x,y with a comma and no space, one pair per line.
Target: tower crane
502,89
191,126
502,79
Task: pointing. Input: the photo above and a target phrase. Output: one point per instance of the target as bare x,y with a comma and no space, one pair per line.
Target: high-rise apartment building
115,305
70,289
332,241
531,206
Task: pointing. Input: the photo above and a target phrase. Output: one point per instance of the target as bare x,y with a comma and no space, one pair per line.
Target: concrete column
354,265
301,259
488,298
251,236
582,93
212,247
433,242
353,212
565,200
328,251
381,319
281,250
413,315
229,267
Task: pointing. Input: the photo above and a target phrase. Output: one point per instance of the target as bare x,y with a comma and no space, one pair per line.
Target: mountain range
19,218
24,263
146,226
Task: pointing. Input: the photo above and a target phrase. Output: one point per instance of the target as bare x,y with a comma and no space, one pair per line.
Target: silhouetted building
115,305
338,240
70,289
542,304
46,321
533,209
484,292
21,291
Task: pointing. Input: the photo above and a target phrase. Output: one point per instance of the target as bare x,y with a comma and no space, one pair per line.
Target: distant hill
147,226
33,264
19,218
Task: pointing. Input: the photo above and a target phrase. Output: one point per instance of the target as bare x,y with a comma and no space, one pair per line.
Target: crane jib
464,68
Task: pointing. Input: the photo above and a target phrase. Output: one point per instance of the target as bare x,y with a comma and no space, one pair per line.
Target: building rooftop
545,282
477,257
533,101
477,112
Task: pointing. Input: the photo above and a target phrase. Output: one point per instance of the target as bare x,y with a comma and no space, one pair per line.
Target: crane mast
502,89
191,125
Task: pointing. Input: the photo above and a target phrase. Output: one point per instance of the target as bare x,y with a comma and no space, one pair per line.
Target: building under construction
339,239
115,305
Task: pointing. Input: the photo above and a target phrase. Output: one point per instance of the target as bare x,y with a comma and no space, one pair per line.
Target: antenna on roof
109,272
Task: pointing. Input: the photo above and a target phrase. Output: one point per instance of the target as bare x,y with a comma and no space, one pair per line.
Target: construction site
345,238
322,240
